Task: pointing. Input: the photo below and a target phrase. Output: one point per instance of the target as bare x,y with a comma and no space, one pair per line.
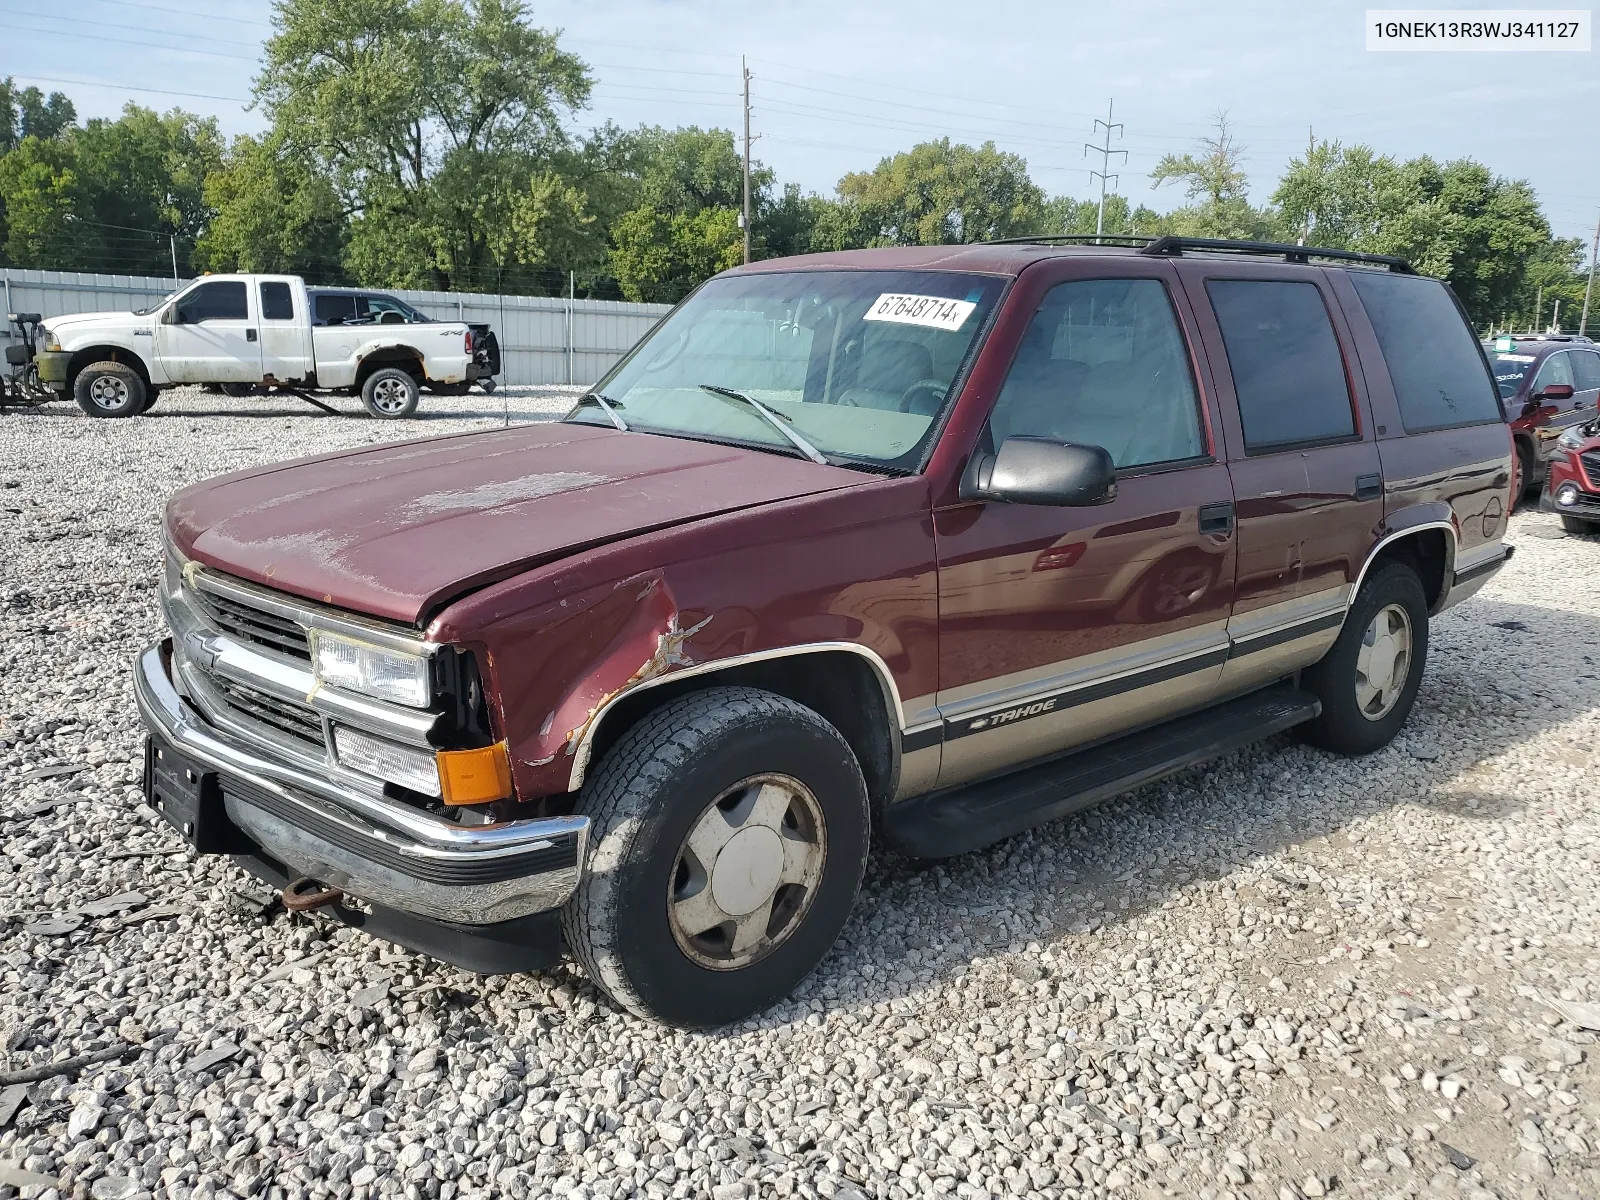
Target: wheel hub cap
108,392
747,872
1383,663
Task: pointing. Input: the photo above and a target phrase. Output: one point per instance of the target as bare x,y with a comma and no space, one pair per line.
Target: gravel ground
1284,975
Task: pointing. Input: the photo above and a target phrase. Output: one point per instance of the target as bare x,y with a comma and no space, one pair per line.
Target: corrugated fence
542,339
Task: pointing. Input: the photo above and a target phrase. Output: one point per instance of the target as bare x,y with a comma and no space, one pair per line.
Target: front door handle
249,335
1217,518
1369,487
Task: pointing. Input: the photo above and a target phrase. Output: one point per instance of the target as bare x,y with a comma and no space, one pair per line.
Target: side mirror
1031,470
1556,391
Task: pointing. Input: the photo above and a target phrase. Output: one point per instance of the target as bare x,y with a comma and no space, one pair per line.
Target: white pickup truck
271,331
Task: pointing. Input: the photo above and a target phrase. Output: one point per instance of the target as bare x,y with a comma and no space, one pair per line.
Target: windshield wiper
604,406
773,419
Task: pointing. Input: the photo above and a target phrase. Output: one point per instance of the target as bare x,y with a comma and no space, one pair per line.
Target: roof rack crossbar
1172,246
1073,239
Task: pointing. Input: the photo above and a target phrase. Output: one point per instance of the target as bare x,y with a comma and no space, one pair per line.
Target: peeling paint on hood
398,531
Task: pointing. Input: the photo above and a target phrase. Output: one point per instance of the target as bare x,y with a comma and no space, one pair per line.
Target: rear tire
1580,526
390,393
109,389
1368,682
728,801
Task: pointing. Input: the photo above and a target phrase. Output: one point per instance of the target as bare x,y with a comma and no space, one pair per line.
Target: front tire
729,840
1368,682
109,389
1528,464
390,393
1580,526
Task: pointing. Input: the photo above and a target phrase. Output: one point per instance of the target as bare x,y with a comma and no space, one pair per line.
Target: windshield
1509,371
145,312
858,363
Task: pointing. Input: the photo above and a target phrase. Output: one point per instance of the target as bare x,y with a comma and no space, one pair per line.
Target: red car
1572,487
917,546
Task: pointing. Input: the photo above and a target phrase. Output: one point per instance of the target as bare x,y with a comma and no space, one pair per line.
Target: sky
839,84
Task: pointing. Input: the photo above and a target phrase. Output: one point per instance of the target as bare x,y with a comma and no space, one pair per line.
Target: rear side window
276,303
1586,369
1287,369
332,308
222,300
1435,361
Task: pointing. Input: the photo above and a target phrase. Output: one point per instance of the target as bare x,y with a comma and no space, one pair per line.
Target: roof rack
1173,246
1073,239
1545,337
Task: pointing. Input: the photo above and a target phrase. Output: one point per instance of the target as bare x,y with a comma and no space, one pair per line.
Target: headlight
49,341
405,765
1571,439
370,670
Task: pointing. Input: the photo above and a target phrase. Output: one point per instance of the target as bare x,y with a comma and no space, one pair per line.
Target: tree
430,117
1068,217
1334,196
938,193
273,213
28,112
1217,182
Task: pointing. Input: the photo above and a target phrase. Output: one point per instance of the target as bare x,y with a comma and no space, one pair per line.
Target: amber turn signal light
475,776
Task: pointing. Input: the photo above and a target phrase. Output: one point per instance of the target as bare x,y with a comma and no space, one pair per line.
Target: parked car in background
1572,488
921,545
352,306
1548,383
253,331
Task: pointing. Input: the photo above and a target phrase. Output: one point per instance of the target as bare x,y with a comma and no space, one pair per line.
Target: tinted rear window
1287,369
1435,361
1586,368
335,307
276,303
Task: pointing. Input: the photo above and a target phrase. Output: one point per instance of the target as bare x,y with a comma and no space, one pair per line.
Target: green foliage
274,212
430,117
938,193
1068,217
1217,185
28,112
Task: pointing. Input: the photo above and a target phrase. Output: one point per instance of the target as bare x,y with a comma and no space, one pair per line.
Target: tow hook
303,895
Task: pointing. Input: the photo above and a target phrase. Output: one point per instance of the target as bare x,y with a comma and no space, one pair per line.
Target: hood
74,322
399,530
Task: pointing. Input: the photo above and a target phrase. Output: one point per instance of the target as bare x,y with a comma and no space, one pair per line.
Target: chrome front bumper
373,848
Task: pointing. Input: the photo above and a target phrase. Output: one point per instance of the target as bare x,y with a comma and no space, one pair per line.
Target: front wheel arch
90,355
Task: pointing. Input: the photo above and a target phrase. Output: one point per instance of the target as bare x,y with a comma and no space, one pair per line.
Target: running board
942,824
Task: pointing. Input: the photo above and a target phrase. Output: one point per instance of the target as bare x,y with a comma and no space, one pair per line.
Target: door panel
209,335
285,331
1062,625
1304,463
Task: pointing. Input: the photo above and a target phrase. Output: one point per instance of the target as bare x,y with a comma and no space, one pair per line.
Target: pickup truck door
285,330
208,335
1062,625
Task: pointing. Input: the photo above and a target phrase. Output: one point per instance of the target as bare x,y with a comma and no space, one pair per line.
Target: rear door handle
1216,518
1369,487
249,335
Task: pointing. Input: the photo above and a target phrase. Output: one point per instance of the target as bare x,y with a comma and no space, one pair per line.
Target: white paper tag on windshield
936,312
1516,357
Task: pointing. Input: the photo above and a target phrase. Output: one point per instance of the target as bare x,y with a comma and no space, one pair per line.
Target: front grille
254,625
283,715
1591,467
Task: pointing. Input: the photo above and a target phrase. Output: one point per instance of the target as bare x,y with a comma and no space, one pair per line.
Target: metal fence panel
543,339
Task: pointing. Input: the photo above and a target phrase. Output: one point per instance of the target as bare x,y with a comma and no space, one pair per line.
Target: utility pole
744,217
1311,149
172,243
1105,152
1594,252
1538,309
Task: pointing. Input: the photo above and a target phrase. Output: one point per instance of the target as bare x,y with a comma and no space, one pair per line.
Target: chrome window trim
891,694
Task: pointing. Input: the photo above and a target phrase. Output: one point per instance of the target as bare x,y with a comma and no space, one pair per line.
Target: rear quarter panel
1458,477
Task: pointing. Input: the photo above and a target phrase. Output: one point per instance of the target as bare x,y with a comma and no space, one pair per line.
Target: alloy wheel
1384,662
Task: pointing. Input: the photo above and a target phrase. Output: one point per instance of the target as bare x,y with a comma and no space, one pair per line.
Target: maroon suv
925,546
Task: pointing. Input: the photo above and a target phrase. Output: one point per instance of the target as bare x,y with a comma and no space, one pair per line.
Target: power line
39,16
127,87
89,37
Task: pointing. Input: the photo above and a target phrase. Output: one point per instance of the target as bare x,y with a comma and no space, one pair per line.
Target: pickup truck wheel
1368,682
390,393
729,839
151,395
109,389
